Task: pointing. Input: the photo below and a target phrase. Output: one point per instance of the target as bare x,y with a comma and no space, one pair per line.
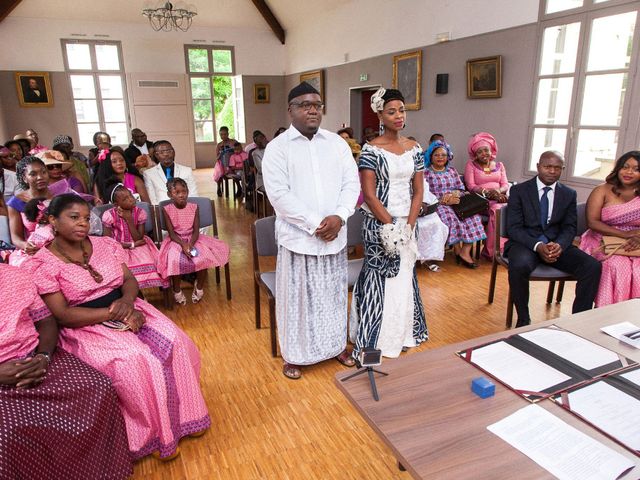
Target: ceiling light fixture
167,18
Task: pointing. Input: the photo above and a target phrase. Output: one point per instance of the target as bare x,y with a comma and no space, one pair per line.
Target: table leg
401,467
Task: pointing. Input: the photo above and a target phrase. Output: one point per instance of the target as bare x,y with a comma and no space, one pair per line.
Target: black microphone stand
370,371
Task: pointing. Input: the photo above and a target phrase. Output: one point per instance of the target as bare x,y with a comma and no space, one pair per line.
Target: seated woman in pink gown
113,163
613,208
153,365
59,417
485,176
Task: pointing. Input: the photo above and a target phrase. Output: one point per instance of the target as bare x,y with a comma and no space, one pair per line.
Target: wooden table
437,428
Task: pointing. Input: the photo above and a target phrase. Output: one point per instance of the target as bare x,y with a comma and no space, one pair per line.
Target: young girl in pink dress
125,224
185,250
36,224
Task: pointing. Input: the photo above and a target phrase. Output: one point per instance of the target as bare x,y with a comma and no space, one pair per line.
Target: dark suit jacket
31,97
132,152
523,216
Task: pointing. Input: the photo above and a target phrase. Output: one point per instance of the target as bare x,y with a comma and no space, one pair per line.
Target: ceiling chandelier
167,18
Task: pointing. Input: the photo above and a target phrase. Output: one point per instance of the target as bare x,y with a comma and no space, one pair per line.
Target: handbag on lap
470,204
610,245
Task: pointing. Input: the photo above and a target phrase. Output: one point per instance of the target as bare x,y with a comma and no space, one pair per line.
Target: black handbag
470,205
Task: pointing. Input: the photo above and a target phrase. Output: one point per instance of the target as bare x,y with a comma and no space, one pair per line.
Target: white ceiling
211,13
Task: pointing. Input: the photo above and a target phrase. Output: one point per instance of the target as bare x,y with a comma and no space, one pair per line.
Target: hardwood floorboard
265,426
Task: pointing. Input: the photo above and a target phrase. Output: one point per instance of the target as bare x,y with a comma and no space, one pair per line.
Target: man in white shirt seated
312,182
8,166
155,178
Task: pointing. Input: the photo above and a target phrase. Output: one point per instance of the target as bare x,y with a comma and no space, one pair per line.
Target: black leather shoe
468,264
523,323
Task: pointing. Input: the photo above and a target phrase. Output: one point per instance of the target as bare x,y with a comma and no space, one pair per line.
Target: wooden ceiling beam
270,18
6,6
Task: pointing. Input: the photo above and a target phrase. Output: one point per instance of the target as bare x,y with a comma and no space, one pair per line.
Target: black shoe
523,323
219,192
471,265
458,259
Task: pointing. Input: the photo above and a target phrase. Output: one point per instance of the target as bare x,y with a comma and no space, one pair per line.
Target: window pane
78,56
114,111
603,99
110,86
204,131
202,110
223,103
107,57
222,61
82,86
553,101
559,49
86,131
198,60
119,133
86,111
596,153
546,139
560,5
201,88
611,42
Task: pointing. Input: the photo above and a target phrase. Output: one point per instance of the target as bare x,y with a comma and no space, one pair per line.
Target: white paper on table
558,447
618,329
611,410
569,346
633,376
516,368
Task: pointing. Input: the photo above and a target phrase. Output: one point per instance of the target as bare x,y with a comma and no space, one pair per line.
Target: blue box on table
483,387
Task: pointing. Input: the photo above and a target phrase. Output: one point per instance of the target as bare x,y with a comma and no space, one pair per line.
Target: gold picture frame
407,77
484,77
316,80
261,93
34,89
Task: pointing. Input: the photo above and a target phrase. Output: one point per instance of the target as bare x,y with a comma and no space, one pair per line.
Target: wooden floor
264,426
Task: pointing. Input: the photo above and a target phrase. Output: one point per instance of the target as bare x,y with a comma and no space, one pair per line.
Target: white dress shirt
155,181
306,181
10,182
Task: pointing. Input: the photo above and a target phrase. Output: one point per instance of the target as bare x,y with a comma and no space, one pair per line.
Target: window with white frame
216,93
98,87
588,54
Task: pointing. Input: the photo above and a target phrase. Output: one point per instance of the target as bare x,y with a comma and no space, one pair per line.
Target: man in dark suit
541,226
34,93
139,146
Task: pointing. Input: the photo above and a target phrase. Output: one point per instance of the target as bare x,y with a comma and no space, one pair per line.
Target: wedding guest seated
153,365
155,178
224,147
368,134
59,417
102,141
8,165
16,150
541,226
32,136
279,131
347,134
61,169
436,136
444,182
24,142
114,164
613,209
138,146
64,145
236,167
484,176
432,232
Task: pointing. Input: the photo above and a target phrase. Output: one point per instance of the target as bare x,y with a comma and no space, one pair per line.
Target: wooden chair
207,216
542,273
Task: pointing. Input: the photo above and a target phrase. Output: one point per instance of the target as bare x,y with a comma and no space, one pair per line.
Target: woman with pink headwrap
485,176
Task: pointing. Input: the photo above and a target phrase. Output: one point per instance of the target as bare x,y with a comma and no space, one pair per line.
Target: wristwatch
342,222
46,355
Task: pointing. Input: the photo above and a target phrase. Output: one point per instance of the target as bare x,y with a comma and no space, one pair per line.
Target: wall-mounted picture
261,93
34,89
407,77
316,80
484,77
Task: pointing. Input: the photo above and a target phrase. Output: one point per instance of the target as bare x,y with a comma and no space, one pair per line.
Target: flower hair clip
103,154
377,102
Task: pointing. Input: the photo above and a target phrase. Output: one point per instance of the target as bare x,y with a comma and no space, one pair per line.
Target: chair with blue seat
542,273
207,217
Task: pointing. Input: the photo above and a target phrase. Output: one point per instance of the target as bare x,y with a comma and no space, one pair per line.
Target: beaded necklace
84,264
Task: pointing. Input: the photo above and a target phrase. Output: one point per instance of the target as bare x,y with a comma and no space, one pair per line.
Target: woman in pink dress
485,176
613,208
113,163
185,250
153,365
59,418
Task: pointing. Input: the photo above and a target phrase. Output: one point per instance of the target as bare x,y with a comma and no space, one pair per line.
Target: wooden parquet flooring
265,426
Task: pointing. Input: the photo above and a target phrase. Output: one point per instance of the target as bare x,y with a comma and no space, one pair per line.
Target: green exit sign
364,77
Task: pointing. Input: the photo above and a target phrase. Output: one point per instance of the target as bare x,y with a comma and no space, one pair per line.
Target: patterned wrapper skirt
70,426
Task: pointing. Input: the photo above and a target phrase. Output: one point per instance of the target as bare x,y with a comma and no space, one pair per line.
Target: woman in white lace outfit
387,311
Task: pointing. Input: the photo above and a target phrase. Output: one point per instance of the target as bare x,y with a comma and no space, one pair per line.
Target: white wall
368,28
34,44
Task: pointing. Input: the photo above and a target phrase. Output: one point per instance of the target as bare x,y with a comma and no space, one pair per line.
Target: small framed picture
34,89
316,80
261,93
484,77
407,77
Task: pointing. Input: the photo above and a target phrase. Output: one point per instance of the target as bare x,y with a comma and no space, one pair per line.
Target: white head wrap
377,103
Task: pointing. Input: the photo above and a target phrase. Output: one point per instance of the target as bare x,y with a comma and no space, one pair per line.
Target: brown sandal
346,359
291,371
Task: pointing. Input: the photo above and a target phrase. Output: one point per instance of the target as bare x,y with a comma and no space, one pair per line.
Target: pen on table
634,335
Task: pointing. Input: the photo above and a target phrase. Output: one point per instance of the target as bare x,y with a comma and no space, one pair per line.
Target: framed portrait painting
261,93
34,89
316,80
484,77
407,77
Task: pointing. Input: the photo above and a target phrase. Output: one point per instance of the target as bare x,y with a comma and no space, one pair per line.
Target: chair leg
166,298
560,291
509,322
492,281
218,275
226,188
256,295
227,280
272,327
552,287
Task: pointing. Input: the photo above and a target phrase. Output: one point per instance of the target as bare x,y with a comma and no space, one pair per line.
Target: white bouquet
397,236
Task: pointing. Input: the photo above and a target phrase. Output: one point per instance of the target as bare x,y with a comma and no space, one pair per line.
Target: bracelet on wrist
46,355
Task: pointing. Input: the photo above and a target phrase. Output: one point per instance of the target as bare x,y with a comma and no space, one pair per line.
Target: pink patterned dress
155,371
620,279
141,260
38,235
69,426
211,251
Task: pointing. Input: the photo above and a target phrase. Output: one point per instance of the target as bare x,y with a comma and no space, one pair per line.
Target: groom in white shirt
312,182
